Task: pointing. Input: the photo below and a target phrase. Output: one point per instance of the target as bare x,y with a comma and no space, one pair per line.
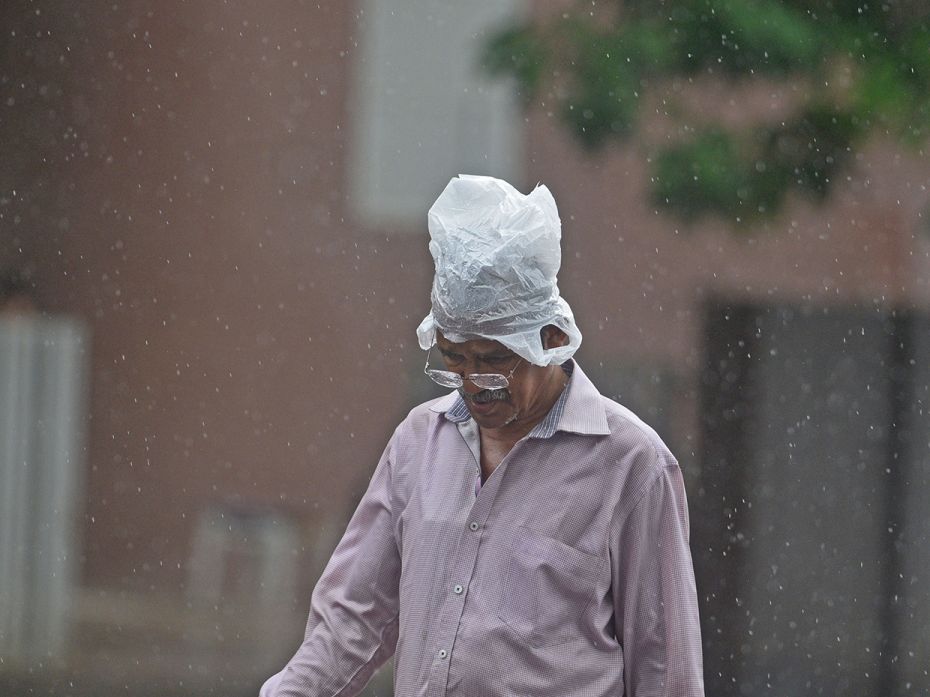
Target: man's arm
352,628
655,600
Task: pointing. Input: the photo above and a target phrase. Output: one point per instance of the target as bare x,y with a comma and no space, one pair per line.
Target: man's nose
470,387
464,372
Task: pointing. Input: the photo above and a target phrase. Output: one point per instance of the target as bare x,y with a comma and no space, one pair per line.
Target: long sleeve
655,600
352,627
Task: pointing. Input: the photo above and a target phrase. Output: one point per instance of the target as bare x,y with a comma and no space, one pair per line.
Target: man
523,535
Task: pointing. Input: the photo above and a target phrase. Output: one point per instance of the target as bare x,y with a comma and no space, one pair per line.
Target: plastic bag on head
497,253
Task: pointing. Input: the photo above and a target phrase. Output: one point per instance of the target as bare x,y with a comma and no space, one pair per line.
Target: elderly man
523,535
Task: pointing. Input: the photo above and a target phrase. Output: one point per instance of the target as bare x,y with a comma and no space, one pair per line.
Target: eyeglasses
484,381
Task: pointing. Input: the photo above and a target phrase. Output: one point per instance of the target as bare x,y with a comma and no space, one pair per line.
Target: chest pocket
547,588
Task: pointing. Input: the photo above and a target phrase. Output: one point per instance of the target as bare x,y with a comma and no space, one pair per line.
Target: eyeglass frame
457,380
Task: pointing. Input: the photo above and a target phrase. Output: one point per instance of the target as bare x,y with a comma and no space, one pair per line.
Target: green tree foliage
864,66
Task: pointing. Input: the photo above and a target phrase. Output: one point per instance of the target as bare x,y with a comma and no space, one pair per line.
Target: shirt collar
577,410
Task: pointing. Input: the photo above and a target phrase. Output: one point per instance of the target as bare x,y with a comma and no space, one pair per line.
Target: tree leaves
602,74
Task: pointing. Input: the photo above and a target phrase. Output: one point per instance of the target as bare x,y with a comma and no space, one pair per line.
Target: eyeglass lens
484,381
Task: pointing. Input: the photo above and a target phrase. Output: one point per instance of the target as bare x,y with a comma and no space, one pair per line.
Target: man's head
530,387
497,254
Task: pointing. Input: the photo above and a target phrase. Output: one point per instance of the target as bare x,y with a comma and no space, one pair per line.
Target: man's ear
552,337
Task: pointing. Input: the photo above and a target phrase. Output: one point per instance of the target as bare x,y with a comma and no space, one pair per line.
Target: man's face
492,409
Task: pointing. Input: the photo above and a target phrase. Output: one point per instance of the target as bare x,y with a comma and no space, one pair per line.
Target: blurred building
229,200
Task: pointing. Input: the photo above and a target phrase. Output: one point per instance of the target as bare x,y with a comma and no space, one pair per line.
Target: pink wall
248,343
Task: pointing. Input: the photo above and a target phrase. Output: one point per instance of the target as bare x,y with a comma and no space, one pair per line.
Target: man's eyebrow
480,355
495,354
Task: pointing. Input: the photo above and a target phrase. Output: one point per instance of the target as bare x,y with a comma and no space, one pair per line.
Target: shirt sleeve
655,599
352,627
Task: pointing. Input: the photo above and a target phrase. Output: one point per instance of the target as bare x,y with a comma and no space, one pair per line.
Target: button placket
451,614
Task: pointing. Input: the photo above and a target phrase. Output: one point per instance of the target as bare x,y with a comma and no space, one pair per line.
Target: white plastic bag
497,255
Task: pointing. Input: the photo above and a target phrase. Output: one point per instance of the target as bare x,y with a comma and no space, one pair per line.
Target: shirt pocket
547,587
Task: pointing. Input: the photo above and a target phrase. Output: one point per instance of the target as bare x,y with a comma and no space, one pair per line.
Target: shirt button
443,653
473,526
457,589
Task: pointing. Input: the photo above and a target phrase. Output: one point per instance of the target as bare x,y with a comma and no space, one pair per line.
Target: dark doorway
810,525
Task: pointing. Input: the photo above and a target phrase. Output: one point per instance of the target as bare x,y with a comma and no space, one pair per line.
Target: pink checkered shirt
569,573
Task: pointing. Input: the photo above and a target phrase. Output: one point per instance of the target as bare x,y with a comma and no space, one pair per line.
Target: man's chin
492,414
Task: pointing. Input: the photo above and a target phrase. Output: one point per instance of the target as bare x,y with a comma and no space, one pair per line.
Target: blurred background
213,257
